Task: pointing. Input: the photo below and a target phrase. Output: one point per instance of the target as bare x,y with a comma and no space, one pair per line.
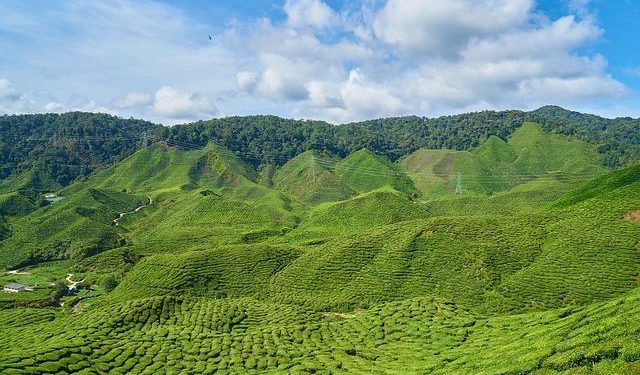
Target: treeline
617,140
66,146
272,140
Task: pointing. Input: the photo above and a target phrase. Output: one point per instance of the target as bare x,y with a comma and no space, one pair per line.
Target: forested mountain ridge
66,146
273,140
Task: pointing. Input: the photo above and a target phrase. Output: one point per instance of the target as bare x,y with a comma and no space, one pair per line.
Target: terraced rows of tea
214,218
228,271
195,335
187,260
76,226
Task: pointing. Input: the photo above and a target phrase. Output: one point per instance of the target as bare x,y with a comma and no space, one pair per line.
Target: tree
109,283
60,291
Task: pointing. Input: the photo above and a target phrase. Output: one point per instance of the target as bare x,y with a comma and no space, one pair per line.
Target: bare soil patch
340,315
633,216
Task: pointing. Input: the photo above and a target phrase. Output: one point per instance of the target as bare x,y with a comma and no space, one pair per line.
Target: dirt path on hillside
69,276
18,272
71,282
116,221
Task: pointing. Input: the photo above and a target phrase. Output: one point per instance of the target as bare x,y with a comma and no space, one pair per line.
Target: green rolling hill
205,196
363,172
496,165
310,179
154,170
77,226
197,259
370,210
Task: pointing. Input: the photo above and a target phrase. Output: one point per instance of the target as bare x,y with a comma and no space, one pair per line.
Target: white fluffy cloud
168,103
363,99
426,57
82,55
177,104
443,27
309,13
132,99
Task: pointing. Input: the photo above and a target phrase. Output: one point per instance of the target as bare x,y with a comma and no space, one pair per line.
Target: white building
14,288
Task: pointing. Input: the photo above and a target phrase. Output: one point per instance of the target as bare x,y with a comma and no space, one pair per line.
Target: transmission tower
459,184
143,141
311,175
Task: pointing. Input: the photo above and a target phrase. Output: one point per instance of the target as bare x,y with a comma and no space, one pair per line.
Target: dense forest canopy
269,139
70,145
66,146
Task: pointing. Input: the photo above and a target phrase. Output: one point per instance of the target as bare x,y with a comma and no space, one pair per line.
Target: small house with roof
15,288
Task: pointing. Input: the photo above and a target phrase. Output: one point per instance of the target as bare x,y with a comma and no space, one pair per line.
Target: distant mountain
62,147
47,151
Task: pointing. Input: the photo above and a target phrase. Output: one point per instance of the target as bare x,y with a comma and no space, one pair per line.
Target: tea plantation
521,256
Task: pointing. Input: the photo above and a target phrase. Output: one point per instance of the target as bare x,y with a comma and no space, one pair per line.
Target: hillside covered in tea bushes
508,248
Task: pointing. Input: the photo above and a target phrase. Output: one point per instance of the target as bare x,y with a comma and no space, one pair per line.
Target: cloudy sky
323,59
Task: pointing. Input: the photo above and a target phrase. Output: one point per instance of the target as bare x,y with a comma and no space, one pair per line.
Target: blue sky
334,60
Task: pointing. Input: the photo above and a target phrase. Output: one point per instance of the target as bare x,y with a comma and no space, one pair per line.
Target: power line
377,172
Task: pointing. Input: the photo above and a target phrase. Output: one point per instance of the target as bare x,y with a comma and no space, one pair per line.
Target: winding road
116,221
71,282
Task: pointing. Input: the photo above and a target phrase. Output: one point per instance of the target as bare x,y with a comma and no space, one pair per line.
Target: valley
518,254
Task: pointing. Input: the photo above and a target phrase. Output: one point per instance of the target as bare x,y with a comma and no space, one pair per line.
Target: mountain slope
592,252
77,226
497,166
308,177
601,186
374,209
65,146
202,196
363,172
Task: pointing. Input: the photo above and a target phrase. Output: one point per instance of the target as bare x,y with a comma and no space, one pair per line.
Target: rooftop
15,286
